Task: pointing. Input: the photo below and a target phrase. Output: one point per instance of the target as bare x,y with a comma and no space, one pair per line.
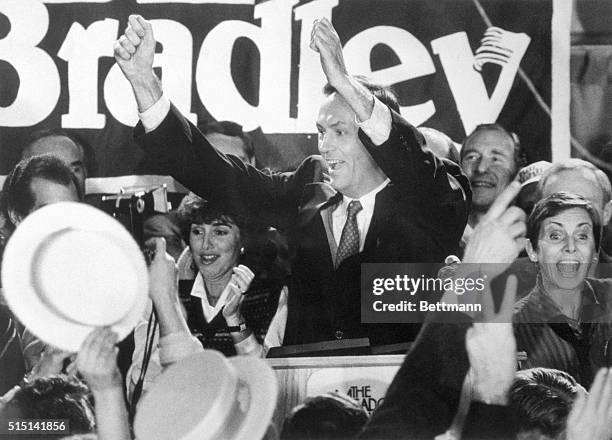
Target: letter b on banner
39,82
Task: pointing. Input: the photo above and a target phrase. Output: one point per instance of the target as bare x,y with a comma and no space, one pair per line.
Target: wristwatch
237,328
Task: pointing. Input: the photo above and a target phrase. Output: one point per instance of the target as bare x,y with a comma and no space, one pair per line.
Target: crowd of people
253,259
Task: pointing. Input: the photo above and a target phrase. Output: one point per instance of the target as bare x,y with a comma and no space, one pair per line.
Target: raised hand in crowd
238,285
97,363
324,40
495,243
134,52
491,348
499,236
163,290
591,415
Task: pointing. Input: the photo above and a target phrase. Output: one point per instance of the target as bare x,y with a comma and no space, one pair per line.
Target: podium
364,378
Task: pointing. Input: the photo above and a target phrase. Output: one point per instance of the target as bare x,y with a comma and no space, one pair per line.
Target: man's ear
607,213
15,218
531,253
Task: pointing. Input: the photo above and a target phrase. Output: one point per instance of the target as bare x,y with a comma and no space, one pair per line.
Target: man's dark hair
326,416
17,197
384,94
233,129
542,398
54,397
555,204
519,156
89,160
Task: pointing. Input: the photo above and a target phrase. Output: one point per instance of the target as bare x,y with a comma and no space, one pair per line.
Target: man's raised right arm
178,148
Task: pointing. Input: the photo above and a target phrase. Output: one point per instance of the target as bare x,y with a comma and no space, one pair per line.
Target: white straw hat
69,268
208,396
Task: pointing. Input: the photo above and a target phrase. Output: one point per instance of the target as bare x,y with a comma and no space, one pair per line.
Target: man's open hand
325,41
135,49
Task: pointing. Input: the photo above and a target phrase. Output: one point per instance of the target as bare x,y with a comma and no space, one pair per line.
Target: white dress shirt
364,217
377,127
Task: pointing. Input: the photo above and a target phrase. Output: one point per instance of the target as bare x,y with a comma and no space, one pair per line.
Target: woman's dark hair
260,253
17,196
555,204
541,399
195,210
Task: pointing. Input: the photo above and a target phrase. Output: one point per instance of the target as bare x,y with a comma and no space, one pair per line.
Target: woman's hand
238,285
97,360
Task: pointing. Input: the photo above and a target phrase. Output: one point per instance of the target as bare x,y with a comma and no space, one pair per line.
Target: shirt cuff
177,346
378,127
153,116
248,346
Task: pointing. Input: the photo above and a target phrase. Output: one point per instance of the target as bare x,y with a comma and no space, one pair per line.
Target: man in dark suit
389,200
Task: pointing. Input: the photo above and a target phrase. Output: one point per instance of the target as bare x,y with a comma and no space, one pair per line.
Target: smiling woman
224,291
565,322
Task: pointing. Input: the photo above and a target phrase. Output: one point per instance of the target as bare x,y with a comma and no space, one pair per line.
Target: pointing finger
503,201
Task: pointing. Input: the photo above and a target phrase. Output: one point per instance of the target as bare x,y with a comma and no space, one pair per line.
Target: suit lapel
315,210
383,208
316,196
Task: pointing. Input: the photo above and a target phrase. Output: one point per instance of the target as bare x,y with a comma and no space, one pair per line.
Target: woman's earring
242,250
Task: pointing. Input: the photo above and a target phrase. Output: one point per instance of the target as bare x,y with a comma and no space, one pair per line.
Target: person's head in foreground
325,416
352,169
54,397
34,183
563,234
541,399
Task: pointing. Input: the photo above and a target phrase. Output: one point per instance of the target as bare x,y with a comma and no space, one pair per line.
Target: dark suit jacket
418,217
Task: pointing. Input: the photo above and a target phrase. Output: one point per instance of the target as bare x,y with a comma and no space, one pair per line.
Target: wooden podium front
365,378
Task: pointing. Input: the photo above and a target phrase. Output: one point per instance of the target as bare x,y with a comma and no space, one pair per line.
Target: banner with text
453,63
